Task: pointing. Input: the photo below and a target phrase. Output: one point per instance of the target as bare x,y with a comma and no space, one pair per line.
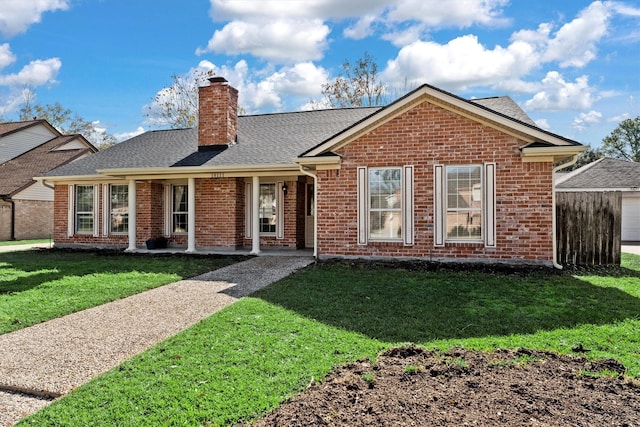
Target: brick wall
220,212
34,219
5,220
217,114
424,136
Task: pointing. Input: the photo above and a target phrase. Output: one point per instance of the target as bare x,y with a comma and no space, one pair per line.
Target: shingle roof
506,106
18,173
266,139
262,139
605,173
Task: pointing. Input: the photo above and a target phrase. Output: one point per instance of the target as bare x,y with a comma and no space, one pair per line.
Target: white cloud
17,15
6,56
585,120
618,118
543,124
275,40
438,13
558,94
36,73
460,63
290,31
574,45
128,135
361,29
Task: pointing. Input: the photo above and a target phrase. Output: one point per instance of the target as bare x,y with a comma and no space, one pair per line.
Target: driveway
631,248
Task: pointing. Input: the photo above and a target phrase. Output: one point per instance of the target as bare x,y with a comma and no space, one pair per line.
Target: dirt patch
414,387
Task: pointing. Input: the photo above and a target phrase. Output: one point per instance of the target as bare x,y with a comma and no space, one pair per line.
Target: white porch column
255,215
132,215
191,218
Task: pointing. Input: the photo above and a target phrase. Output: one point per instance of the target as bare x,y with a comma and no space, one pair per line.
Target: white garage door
631,218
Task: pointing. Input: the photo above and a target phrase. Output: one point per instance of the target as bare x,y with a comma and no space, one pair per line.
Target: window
179,210
268,208
119,209
84,208
385,203
464,202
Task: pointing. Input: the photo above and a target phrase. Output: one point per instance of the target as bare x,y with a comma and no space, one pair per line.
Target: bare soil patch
414,387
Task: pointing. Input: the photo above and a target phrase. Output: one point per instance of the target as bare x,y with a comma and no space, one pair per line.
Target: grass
36,286
23,242
245,360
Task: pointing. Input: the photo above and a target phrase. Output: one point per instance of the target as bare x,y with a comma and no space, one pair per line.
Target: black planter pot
156,243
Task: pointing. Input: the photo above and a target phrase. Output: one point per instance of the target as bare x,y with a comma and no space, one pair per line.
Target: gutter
573,160
315,209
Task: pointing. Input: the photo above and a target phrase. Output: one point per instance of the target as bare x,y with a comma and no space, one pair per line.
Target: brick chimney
217,113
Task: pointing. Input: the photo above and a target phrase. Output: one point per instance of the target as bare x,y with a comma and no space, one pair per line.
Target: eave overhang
553,154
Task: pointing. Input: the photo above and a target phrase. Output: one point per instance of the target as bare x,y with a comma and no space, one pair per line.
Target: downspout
573,160
12,235
315,209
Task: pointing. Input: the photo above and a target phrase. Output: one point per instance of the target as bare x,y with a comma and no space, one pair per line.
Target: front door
310,218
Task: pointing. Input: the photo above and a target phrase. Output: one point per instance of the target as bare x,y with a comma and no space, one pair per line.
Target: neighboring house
29,149
608,174
431,175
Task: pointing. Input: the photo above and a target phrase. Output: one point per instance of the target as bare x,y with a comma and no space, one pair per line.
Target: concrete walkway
50,359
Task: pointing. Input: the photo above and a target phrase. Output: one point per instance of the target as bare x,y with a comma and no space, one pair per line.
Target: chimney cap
217,80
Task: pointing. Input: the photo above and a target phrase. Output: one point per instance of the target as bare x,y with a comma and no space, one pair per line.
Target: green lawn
246,359
40,285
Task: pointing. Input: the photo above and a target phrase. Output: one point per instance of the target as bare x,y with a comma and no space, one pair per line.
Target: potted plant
159,242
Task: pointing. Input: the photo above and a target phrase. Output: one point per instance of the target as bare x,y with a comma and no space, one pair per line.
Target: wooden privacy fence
589,227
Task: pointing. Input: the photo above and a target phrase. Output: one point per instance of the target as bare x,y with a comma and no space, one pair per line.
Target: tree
624,141
586,157
176,106
67,122
358,87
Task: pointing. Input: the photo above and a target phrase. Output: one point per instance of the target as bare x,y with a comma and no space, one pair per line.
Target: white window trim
106,209
481,209
71,211
94,213
106,206
488,183
278,191
406,207
248,210
172,212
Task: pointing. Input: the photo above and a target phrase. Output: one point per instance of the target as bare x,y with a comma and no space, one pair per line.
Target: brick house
29,149
431,176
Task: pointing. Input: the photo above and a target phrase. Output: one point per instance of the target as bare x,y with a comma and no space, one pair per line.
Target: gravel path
50,359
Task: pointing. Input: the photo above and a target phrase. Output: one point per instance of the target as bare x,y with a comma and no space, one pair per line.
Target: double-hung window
84,209
464,204
385,204
118,208
268,209
179,209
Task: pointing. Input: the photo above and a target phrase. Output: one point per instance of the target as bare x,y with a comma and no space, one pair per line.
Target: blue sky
572,65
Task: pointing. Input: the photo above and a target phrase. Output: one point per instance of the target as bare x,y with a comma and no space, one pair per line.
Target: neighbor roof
17,173
605,173
9,127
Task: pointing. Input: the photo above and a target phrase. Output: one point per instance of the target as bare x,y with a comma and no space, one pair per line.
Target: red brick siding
425,136
150,211
218,114
220,212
